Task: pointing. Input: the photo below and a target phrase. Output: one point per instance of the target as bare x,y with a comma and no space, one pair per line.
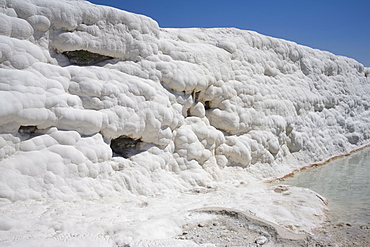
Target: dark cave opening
125,146
83,58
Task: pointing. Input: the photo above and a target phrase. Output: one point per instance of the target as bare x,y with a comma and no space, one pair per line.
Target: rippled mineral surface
112,129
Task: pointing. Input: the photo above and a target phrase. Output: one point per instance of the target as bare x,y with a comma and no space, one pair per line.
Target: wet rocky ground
343,235
236,229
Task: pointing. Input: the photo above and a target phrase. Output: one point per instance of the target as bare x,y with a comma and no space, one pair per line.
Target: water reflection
345,182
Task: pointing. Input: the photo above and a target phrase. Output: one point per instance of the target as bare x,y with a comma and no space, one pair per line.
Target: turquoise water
345,182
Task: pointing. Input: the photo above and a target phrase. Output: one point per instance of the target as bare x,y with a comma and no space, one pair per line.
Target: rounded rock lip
237,227
252,219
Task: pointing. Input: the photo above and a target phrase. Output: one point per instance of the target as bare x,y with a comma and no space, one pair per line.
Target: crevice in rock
125,146
31,129
188,113
83,57
206,105
195,96
28,131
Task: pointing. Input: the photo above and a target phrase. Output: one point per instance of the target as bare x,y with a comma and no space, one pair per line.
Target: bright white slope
211,108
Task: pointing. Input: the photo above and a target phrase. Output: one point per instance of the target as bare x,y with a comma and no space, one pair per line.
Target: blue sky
339,26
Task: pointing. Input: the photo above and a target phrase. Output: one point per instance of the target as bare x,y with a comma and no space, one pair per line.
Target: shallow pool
345,182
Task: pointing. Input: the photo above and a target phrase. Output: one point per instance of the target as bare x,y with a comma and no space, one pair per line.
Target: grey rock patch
236,228
261,240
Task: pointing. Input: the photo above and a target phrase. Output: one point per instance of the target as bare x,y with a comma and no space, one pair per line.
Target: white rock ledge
211,107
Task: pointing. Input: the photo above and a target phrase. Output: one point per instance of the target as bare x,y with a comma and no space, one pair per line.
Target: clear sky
339,26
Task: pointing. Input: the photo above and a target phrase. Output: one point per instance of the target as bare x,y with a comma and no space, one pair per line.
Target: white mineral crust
211,108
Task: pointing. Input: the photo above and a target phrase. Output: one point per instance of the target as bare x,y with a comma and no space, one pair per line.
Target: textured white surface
210,106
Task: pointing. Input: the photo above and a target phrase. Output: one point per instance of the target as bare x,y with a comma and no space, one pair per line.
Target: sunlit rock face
204,103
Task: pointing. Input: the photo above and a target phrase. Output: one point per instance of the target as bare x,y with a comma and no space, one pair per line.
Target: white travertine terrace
207,106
